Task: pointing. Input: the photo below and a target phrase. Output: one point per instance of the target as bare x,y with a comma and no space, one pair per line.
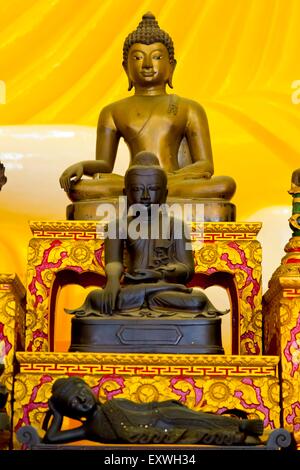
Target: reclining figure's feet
252,429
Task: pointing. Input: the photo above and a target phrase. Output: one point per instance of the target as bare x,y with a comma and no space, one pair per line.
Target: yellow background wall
60,61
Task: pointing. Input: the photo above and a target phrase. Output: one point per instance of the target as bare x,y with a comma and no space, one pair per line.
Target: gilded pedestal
281,313
12,327
226,254
281,309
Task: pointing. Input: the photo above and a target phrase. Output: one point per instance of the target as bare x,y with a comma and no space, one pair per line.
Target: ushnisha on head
148,32
149,40
73,397
145,180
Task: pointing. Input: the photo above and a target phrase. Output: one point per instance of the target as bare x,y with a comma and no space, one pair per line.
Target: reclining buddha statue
173,128
123,421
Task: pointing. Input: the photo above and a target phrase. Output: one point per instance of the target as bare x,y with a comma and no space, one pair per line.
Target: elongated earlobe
130,82
170,79
170,82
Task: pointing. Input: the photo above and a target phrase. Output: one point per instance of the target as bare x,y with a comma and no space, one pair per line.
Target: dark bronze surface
214,210
153,287
199,336
279,439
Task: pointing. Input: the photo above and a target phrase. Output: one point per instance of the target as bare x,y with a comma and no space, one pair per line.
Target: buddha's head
145,181
72,397
148,55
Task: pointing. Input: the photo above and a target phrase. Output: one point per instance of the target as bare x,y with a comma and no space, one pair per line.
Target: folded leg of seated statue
196,302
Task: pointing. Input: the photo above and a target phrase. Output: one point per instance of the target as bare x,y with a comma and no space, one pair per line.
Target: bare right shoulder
109,115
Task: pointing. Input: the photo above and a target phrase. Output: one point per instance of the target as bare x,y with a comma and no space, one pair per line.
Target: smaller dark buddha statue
123,421
158,268
159,263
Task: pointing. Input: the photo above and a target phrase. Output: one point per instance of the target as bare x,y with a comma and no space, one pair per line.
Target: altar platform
208,383
227,254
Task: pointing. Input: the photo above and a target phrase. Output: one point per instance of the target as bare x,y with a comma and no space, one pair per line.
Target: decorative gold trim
146,370
292,292
39,227
293,244
231,227
141,359
289,282
63,225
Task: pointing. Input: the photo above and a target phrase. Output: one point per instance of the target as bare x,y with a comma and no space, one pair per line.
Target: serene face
149,65
82,401
145,188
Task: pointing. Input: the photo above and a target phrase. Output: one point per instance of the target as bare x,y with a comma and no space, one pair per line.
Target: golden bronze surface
173,128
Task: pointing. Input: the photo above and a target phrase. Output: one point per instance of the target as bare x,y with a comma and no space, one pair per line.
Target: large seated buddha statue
173,128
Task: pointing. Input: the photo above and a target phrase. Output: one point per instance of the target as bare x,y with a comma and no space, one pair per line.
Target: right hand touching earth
109,297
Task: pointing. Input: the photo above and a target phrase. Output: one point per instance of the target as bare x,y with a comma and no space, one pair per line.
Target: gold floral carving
281,307
46,257
12,321
75,245
242,259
